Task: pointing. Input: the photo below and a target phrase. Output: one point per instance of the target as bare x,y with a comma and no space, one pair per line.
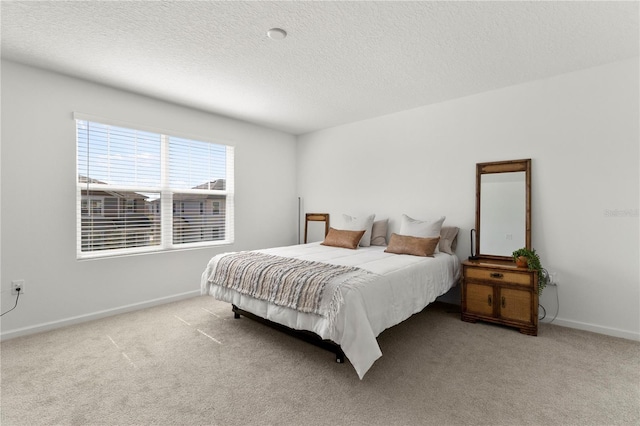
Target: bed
374,290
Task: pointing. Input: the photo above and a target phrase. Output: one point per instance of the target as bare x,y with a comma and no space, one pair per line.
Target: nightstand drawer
495,275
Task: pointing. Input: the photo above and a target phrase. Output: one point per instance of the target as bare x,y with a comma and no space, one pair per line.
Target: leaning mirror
503,207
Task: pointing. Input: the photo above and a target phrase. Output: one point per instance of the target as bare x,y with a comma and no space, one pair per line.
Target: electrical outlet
17,284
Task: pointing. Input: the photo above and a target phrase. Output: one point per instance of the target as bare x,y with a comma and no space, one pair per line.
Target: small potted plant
528,258
520,259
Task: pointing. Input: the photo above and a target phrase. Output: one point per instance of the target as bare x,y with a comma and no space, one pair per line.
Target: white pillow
421,228
352,223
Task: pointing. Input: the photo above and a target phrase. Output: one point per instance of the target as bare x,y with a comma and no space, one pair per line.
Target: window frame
165,191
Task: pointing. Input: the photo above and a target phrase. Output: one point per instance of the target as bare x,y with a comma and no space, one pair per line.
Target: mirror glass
502,213
503,207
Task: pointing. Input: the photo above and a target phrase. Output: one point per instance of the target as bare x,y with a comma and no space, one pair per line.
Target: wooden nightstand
499,292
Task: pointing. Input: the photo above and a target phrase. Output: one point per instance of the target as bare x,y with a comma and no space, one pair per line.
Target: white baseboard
625,334
95,315
615,332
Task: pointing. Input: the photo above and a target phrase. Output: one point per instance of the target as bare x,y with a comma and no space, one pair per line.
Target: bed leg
340,357
234,308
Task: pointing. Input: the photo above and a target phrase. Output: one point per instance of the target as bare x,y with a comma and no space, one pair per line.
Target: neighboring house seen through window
141,191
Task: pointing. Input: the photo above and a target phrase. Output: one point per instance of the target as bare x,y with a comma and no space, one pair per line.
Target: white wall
580,129
38,201
581,132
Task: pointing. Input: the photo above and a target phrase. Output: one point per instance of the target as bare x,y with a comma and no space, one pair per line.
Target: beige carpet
191,363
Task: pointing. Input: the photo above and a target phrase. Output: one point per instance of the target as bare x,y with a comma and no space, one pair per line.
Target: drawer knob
496,275
504,302
489,300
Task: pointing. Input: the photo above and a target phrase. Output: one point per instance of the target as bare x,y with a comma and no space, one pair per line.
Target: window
140,191
93,203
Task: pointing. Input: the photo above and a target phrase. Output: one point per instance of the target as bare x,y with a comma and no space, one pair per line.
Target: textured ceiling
341,61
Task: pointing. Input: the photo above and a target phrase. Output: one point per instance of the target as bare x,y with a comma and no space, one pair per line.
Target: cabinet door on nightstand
515,304
479,299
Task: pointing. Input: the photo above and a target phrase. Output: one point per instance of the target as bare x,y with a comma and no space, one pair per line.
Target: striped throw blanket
289,282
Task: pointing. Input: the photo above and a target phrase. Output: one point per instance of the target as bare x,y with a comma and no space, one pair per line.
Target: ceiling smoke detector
276,33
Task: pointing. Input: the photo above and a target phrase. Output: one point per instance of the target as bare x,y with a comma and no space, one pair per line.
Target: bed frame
305,335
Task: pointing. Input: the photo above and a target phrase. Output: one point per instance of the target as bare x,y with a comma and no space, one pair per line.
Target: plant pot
521,262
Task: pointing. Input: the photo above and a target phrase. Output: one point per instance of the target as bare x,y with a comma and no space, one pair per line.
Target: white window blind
140,191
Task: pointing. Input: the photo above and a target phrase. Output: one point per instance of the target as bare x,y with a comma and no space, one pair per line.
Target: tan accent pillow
416,246
448,237
342,238
379,232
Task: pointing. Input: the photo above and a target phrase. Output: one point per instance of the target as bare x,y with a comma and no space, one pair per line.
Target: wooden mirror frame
503,167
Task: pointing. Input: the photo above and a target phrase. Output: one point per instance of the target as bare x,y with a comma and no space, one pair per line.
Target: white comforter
403,285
